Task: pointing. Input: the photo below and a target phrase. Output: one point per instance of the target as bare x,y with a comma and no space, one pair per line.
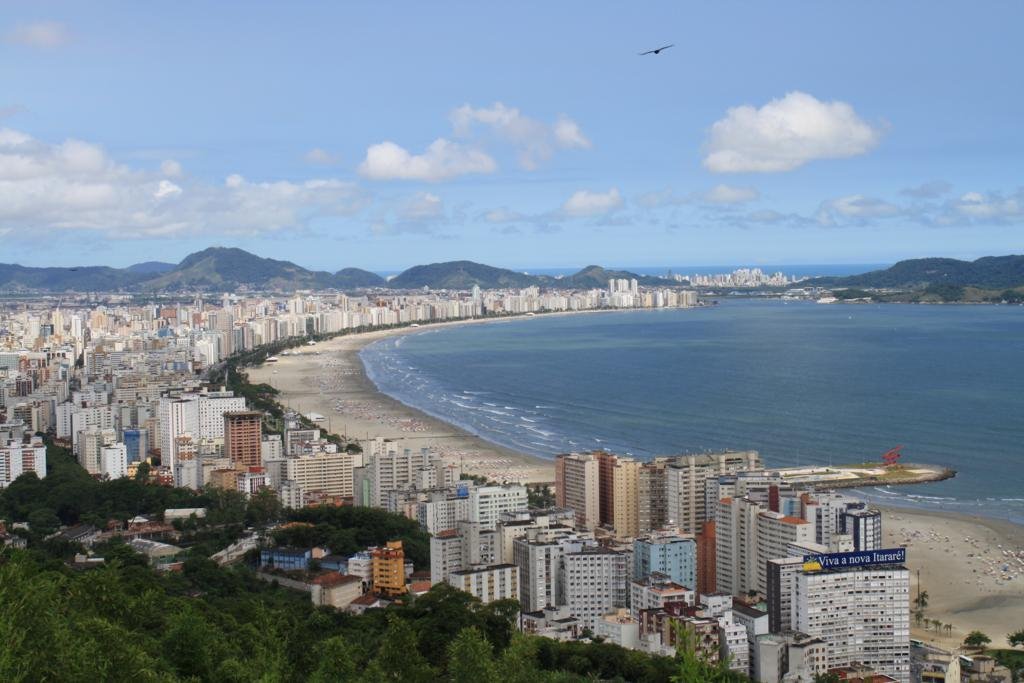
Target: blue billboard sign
865,558
462,490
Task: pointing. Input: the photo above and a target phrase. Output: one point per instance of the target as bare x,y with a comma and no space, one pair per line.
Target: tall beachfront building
389,468
862,614
577,487
864,525
686,478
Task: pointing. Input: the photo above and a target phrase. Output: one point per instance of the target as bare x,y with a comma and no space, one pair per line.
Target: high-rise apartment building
538,556
577,487
594,582
706,559
488,503
17,458
736,545
488,583
114,461
864,525
666,554
625,497
775,534
389,469
243,436
389,569
464,546
686,478
325,473
862,614
652,505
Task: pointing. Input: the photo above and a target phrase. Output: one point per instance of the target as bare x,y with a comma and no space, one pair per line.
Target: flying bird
656,52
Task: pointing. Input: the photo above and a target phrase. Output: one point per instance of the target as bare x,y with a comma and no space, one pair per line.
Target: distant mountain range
990,272
224,269
221,269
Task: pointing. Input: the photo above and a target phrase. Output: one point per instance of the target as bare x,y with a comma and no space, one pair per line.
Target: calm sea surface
799,382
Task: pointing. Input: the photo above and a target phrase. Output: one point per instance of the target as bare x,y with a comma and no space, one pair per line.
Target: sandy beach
961,560
329,379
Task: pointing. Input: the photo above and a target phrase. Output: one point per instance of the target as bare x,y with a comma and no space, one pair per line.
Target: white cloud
728,194
171,168
421,207
992,207
854,207
535,140
569,135
859,206
75,185
587,203
165,188
786,134
320,157
40,34
442,160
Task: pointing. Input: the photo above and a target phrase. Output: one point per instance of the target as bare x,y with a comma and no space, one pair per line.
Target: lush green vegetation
68,496
1016,639
976,639
990,272
848,294
944,292
347,530
540,496
124,621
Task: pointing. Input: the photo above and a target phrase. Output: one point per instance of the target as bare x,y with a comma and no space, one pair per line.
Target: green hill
461,275
597,277
990,272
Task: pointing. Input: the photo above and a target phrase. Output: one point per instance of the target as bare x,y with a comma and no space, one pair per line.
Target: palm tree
918,617
936,624
949,629
922,599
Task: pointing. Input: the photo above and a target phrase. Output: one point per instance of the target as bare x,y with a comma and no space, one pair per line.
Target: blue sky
527,134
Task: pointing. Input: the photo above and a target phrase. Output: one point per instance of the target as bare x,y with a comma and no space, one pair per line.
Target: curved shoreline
337,377
960,594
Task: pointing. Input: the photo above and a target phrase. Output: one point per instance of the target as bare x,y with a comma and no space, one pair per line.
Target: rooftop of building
482,568
331,579
747,610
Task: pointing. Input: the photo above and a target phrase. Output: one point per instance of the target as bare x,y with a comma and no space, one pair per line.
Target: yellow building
388,566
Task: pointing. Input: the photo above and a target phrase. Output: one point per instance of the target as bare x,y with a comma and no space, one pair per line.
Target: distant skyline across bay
519,136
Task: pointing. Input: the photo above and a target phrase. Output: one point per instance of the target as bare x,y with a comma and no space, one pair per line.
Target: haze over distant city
336,136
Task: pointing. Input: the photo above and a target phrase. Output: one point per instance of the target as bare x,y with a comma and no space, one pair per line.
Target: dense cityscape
765,574
665,342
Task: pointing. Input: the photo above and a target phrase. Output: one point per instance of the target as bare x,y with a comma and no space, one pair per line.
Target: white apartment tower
862,614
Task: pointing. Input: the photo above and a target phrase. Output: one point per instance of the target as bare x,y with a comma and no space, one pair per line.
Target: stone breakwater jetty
865,474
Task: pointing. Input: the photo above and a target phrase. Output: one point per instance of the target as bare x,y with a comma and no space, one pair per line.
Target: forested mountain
990,272
224,269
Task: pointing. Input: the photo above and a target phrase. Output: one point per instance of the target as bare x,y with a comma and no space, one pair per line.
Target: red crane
891,456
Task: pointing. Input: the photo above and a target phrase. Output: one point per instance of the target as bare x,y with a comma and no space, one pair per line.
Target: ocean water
800,382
